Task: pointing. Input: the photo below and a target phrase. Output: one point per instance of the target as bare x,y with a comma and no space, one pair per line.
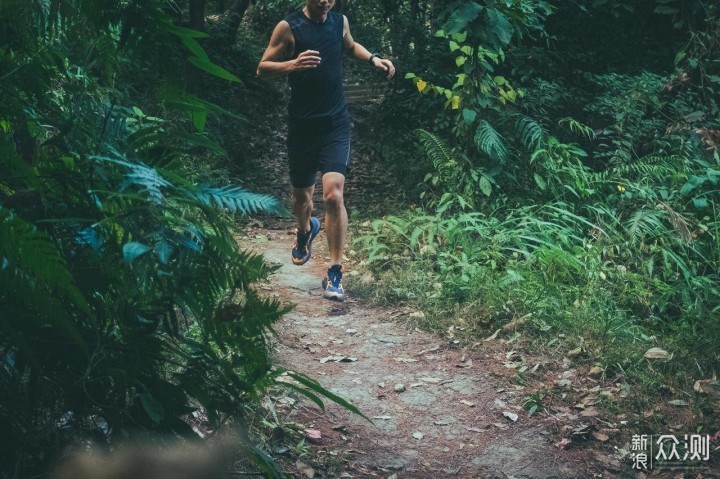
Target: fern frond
490,142
436,149
578,128
147,179
530,131
235,199
33,271
649,168
645,223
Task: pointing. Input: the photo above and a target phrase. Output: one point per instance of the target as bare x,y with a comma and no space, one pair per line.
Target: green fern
490,142
531,133
235,199
439,153
578,128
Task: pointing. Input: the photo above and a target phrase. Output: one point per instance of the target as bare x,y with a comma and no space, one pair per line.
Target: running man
308,46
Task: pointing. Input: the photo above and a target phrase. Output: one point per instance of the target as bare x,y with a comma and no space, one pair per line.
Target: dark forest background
554,160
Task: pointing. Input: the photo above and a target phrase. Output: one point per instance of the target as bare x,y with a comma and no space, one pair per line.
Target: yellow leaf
455,102
421,85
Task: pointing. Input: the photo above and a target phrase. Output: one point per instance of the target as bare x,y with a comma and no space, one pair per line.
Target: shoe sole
330,295
300,262
334,296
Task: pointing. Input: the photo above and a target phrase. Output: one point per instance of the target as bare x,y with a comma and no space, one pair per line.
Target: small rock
399,388
351,331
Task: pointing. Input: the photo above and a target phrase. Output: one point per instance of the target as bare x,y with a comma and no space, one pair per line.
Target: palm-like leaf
490,142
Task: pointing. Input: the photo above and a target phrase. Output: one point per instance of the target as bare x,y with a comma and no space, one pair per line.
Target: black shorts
321,144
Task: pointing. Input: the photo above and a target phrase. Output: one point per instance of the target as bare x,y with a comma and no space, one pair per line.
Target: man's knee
302,196
333,198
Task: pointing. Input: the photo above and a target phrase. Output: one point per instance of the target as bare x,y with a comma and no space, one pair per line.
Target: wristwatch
372,57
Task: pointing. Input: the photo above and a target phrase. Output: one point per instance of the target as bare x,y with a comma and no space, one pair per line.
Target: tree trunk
237,11
197,14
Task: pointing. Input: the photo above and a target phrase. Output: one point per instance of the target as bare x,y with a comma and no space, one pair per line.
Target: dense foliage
125,302
572,180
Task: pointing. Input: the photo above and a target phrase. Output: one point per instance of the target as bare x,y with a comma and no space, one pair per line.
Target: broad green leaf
163,251
499,26
469,116
134,249
213,69
456,102
409,76
454,46
152,407
460,37
485,186
460,61
199,117
678,58
540,182
462,16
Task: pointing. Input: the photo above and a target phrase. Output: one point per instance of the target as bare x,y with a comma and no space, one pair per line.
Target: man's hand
385,65
307,60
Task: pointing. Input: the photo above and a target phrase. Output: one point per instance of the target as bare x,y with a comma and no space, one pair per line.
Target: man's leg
308,227
336,220
302,205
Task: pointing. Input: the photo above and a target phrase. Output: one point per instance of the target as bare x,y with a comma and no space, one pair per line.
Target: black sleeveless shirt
318,93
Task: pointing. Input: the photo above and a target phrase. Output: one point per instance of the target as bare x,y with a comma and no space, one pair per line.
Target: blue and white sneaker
333,284
302,250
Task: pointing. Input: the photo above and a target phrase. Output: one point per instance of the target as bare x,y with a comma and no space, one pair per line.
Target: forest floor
438,409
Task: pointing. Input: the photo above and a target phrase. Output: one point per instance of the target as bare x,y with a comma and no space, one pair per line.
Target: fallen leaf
600,436
589,412
467,403
336,359
516,322
405,360
704,386
595,371
474,429
678,402
564,443
574,352
418,435
494,335
657,353
442,422
306,470
429,350
510,415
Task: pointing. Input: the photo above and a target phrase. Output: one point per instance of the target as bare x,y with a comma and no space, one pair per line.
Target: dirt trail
448,421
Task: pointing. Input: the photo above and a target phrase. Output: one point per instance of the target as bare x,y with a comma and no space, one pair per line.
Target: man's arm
275,61
361,53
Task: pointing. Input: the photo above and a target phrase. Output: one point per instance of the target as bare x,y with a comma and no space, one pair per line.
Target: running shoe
333,284
302,250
